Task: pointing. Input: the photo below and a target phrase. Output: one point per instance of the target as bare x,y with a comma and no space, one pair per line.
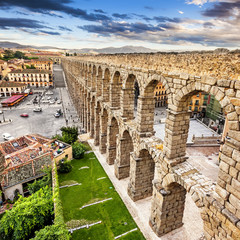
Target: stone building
25,158
160,95
102,89
42,64
9,88
32,77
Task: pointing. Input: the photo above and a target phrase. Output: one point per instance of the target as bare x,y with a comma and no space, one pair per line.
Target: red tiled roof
13,98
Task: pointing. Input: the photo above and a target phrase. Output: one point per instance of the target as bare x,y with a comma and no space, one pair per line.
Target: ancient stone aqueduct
102,89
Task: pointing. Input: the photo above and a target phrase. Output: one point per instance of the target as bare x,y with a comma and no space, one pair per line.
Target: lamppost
3,116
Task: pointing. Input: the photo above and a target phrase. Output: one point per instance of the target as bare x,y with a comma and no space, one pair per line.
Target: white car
59,101
49,93
7,137
51,101
38,109
1,111
48,98
29,103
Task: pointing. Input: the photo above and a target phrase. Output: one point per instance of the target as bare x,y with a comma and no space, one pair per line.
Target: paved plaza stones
102,90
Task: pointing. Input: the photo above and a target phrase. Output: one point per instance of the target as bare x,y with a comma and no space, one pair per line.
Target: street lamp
3,116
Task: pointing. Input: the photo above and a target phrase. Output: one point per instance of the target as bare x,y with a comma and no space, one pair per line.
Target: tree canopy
27,215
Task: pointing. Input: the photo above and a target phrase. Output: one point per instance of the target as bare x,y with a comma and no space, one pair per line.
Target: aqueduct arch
173,173
112,134
122,163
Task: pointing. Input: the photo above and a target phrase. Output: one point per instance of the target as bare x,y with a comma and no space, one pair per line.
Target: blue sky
156,24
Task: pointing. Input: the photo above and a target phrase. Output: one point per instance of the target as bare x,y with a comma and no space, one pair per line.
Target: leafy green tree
8,54
30,67
78,150
45,181
75,54
19,55
57,136
27,216
52,232
69,134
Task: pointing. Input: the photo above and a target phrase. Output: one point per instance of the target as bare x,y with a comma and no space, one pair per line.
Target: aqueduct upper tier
102,89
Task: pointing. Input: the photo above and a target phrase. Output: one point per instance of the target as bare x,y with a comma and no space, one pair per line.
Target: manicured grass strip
95,203
135,229
114,215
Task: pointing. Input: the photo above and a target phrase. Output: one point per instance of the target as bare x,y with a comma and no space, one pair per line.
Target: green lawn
114,215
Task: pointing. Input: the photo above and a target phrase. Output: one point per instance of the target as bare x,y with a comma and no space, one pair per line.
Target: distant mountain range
20,46
112,50
109,50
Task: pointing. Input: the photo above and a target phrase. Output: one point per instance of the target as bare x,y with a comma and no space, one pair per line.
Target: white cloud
202,2
181,12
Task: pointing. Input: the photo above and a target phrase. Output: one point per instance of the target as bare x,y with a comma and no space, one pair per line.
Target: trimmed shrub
78,150
64,166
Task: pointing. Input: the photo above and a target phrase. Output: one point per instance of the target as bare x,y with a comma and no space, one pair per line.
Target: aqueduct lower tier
102,89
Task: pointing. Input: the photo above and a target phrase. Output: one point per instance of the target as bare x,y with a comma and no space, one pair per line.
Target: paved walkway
69,111
140,210
196,128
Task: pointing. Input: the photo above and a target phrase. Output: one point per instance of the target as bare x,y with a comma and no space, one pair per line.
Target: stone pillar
85,112
115,95
141,176
99,85
105,90
122,163
92,118
97,125
88,115
103,132
167,209
176,134
112,134
145,114
127,103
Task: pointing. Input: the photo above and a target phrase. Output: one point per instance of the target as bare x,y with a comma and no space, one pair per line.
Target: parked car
1,112
7,137
38,109
24,115
49,93
48,98
58,113
45,101
59,101
29,103
31,93
51,101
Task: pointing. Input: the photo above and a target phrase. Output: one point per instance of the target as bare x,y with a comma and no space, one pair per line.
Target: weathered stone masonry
102,88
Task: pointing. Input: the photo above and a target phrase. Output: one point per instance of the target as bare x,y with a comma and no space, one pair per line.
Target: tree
19,55
28,215
69,134
45,181
78,150
8,54
30,67
52,232
75,54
